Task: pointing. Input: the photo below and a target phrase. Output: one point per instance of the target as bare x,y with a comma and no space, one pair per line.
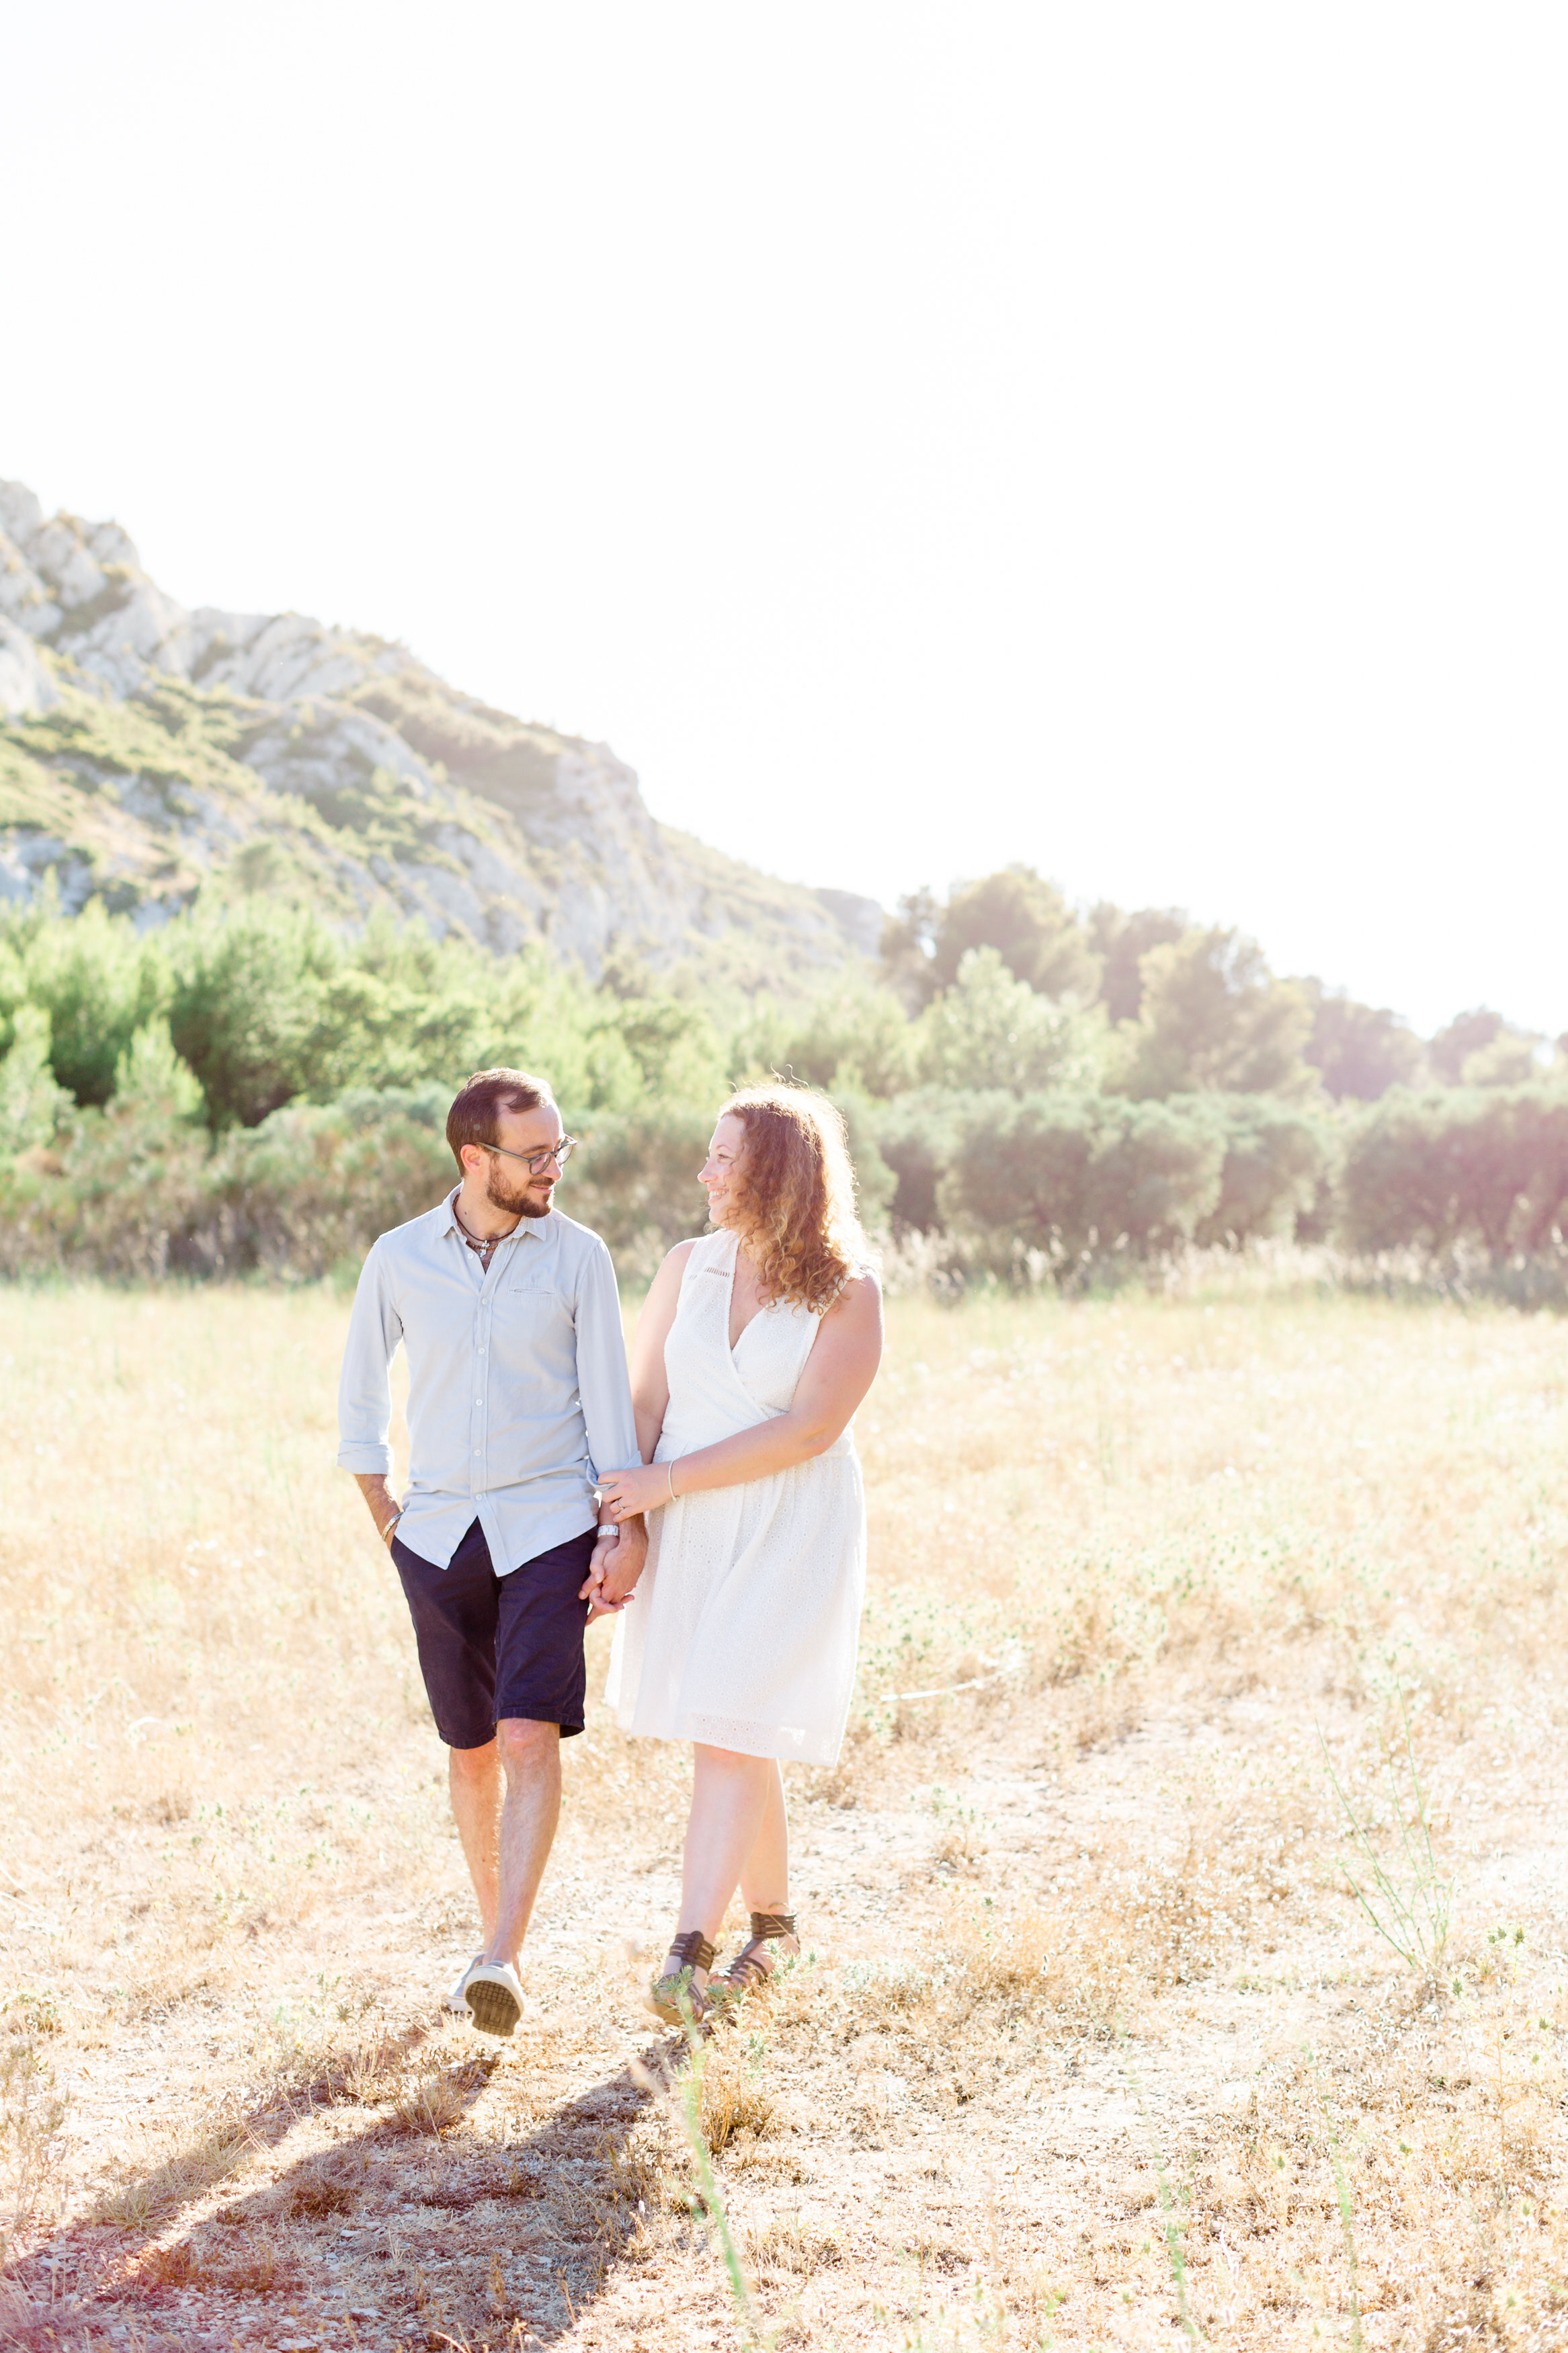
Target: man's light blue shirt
518,1394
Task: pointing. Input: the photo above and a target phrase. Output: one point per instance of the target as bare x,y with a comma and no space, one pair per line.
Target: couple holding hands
728,1536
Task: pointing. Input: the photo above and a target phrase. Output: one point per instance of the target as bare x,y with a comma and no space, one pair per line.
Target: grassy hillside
149,755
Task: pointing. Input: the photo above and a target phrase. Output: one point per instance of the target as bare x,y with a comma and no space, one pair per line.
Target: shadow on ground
393,2236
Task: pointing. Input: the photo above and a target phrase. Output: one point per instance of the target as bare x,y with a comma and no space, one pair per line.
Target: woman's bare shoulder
672,1268
659,1309
861,1296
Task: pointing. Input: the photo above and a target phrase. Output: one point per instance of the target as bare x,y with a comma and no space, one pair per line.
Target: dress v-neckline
760,1309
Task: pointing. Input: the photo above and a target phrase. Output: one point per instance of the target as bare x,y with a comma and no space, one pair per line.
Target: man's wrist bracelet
390,1529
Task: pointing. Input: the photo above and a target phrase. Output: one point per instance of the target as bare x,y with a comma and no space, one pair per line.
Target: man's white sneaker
453,1999
494,1997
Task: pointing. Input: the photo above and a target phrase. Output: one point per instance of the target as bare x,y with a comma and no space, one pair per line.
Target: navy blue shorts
496,1646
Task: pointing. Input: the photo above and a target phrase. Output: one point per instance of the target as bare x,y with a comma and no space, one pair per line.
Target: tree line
1189,1007
1052,1092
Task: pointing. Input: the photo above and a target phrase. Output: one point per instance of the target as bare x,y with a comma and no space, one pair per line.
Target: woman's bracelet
669,1474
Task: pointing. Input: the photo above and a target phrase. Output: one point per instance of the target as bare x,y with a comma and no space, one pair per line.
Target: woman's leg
765,1887
729,1798
764,1877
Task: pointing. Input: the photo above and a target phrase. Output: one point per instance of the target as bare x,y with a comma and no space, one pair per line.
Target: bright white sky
1129,438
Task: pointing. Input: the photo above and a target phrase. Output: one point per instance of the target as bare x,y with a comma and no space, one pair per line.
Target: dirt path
902,2160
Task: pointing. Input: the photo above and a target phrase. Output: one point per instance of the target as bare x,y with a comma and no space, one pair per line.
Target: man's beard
515,1205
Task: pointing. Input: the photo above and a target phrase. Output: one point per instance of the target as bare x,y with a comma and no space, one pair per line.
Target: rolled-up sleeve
604,1384
364,1392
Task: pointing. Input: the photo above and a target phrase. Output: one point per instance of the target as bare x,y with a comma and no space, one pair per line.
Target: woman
755,1347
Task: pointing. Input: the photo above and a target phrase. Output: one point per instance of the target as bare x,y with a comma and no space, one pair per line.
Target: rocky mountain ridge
148,753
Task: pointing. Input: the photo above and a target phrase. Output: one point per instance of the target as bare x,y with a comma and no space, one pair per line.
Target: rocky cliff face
148,753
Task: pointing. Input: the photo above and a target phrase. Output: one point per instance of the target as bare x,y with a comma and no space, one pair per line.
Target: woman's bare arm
838,1372
650,1382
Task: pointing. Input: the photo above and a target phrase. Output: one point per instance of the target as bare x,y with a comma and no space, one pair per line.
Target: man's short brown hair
473,1116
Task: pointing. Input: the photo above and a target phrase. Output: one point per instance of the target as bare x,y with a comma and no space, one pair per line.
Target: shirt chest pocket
533,1335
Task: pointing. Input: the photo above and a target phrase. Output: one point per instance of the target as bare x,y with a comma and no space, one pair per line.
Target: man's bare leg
475,1779
530,1758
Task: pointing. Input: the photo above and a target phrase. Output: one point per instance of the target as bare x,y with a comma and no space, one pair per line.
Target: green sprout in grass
687,2108
1405,1896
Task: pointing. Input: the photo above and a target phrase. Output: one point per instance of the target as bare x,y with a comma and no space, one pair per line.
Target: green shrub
916,1137
269,1005
151,1074
1359,1050
309,1190
1069,1175
1212,1016
990,1030
250,1007
852,1040
32,1105
247,1089
1459,1165
634,1181
138,1191
672,1051
1278,1161
1026,922
1020,1175
122,1193
875,1182
1155,1176
96,982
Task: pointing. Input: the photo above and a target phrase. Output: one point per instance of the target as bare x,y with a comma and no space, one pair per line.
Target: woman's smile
717,1173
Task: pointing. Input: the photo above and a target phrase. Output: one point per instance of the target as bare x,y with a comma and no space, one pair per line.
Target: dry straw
1133,1550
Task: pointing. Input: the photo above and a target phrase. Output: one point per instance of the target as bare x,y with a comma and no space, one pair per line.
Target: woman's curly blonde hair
795,1209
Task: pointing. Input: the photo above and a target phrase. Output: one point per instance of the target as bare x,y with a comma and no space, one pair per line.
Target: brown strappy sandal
749,1969
677,1997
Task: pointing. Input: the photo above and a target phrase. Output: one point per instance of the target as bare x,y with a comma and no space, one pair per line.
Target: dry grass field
1092,2044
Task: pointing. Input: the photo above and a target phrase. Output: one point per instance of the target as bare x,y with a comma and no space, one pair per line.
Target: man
518,1397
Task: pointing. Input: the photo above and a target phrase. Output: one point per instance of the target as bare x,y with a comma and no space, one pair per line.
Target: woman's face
720,1170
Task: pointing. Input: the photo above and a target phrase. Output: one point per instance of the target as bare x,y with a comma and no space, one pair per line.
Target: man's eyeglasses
538,1161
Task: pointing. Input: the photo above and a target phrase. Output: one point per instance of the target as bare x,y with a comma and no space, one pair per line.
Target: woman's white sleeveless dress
747,1617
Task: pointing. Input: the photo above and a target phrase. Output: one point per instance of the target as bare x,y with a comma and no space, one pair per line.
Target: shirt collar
445,1219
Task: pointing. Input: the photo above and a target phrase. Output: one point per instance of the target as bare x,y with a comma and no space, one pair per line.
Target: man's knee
472,1763
523,1746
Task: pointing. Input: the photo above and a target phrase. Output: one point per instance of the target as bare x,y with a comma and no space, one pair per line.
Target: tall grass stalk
686,2107
1415,1917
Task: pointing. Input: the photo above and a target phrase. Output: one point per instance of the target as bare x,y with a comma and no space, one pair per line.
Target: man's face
508,1183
